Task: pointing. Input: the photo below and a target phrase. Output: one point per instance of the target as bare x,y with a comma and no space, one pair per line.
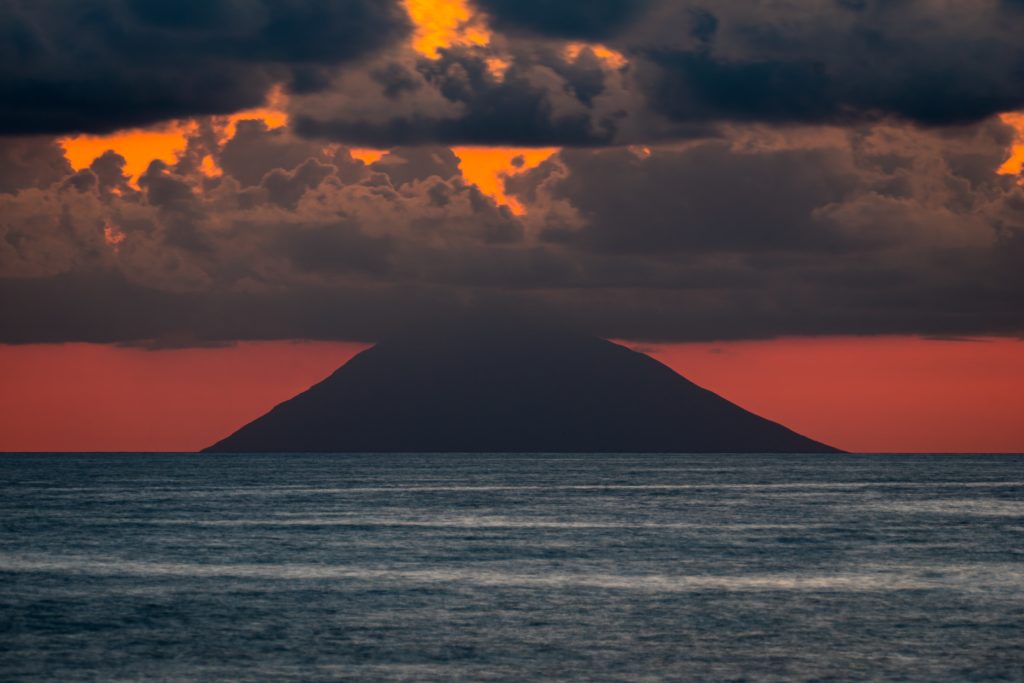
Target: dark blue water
474,568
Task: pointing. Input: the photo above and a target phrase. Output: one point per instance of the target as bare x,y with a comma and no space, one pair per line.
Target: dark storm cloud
689,67
584,20
812,62
539,98
100,65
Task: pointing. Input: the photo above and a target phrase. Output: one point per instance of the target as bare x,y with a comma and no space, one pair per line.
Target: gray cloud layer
876,229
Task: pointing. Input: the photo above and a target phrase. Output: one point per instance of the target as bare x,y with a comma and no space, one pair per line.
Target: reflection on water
461,567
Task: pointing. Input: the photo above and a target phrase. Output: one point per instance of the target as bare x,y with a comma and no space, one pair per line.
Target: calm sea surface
513,568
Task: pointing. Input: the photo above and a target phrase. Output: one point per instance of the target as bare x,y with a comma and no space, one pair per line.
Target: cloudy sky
717,175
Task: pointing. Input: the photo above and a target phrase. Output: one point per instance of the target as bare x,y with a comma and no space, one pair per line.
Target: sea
463,567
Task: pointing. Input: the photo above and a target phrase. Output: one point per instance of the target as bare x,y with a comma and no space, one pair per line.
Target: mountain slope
509,390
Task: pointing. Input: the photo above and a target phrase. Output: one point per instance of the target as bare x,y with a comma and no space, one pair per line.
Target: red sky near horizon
885,394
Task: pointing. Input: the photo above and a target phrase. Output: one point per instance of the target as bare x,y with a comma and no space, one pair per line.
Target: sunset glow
443,24
612,58
273,113
138,147
1015,163
89,397
487,168
167,142
367,156
917,395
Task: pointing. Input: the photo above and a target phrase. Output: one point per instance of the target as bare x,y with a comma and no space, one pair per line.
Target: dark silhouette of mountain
496,388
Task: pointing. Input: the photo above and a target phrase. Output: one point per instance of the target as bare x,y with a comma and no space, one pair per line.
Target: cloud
540,96
326,226
764,231
102,65
728,171
934,63
31,162
587,20
704,198
882,229
682,70
928,62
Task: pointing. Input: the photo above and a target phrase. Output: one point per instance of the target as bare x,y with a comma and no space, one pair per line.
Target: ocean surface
511,568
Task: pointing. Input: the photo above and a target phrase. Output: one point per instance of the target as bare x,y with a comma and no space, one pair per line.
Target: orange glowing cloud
487,168
273,113
113,237
210,168
367,155
444,23
613,59
439,24
166,142
497,67
138,147
1015,164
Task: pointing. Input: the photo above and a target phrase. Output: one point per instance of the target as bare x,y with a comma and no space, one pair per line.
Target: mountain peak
492,386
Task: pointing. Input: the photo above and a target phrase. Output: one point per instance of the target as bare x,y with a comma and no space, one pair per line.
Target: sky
815,208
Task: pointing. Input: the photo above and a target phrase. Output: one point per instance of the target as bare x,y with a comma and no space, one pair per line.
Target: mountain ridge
502,389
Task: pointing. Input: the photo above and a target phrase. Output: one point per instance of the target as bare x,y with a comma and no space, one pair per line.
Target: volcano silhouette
506,389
